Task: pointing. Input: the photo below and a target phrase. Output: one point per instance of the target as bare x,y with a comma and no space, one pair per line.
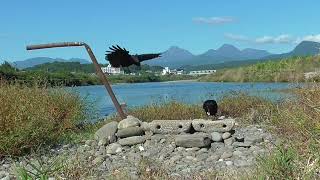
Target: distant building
202,72
165,71
111,70
180,71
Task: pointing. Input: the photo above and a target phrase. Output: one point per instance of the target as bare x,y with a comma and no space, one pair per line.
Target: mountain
41,60
176,57
172,57
305,48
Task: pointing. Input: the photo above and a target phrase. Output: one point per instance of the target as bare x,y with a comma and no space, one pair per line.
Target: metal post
102,77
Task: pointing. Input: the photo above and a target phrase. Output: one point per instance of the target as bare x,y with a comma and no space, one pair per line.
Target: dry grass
250,109
33,116
167,111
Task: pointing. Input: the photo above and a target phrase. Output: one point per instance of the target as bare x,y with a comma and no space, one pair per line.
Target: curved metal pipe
99,72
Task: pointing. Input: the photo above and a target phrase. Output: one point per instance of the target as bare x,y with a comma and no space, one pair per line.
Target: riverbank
295,122
296,69
65,78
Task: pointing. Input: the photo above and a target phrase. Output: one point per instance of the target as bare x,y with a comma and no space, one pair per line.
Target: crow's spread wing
118,56
144,57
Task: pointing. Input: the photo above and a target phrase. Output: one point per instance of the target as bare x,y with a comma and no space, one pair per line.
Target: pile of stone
187,133
180,147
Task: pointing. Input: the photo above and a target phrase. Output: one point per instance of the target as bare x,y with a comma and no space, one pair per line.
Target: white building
202,72
165,71
111,70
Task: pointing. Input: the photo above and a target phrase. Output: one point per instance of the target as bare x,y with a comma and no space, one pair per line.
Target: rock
113,148
193,149
214,157
242,144
226,135
170,126
202,156
239,138
141,148
107,131
130,121
237,153
103,142
253,139
216,145
201,125
191,158
130,131
228,142
192,140
98,160
226,154
216,137
175,158
221,118
229,163
6,178
145,126
162,141
202,150
89,142
129,141
241,163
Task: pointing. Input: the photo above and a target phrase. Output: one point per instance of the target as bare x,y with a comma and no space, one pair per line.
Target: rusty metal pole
102,77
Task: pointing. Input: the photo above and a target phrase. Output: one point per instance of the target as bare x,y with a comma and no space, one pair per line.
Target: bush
33,116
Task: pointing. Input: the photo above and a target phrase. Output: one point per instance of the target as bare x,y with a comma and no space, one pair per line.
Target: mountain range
176,57
225,56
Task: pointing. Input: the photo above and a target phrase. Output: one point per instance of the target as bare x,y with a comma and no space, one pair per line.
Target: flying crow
120,57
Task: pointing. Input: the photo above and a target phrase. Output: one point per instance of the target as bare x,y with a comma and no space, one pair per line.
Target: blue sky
145,26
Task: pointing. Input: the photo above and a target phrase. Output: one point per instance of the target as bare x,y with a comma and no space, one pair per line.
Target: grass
285,70
34,116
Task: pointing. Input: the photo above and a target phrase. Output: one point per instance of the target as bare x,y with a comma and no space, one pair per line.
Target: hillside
63,67
41,60
286,70
305,48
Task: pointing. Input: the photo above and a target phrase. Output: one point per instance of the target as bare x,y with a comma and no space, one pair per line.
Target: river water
140,94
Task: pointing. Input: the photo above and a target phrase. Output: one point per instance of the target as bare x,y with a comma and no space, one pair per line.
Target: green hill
285,70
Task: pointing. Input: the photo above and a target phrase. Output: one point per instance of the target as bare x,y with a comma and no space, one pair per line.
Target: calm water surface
188,92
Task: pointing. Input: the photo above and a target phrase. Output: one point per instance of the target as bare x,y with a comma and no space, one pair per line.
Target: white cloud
213,20
315,38
280,39
236,37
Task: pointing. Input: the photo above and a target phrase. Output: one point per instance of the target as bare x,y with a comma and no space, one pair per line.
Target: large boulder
129,141
107,131
130,131
170,126
202,125
130,121
193,140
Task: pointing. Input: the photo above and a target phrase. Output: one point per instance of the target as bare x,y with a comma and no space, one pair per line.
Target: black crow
120,57
210,107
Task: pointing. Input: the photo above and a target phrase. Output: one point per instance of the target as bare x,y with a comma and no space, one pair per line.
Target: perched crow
211,107
120,57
